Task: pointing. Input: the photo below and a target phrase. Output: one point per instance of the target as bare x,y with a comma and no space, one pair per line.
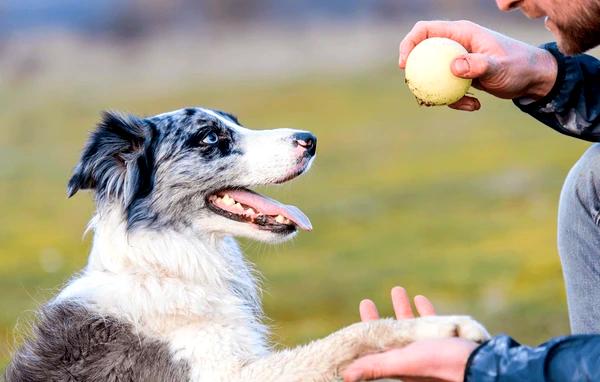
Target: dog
166,294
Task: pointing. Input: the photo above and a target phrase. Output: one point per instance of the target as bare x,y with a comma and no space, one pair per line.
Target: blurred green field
460,207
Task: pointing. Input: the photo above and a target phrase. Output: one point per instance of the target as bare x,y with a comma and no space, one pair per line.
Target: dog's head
193,168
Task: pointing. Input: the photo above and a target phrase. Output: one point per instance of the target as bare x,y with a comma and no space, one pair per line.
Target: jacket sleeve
502,359
573,105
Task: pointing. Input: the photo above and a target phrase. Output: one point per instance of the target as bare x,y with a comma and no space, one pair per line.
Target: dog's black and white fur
166,294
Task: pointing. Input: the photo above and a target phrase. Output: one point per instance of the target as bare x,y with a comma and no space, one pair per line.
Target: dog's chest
201,302
216,349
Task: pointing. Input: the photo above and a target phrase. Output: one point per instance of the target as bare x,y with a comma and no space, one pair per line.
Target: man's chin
564,45
570,46
575,38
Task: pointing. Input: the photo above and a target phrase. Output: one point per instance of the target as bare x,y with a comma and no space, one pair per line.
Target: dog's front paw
450,326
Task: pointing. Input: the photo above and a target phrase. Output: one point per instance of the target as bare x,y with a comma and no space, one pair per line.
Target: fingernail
403,56
461,66
402,59
467,107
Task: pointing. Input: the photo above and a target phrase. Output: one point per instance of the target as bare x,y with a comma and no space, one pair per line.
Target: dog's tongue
270,206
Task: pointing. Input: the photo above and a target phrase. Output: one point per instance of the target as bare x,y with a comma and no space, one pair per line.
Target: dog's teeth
228,200
238,207
250,211
280,219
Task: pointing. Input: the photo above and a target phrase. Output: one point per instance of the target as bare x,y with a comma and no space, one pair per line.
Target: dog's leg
322,360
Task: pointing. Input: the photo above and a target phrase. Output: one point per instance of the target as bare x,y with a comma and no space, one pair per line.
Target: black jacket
573,105
573,108
562,359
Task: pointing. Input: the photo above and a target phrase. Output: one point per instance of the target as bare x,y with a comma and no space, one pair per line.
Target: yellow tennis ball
428,74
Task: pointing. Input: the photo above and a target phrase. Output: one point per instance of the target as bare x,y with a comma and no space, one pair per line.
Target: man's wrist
545,72
471,359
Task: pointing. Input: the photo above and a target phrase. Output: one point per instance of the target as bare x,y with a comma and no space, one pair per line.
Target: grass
460,207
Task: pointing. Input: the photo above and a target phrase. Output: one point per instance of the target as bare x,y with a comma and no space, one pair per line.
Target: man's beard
578,36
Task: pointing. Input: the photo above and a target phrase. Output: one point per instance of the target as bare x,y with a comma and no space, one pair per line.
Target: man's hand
499,65
431,360
442,360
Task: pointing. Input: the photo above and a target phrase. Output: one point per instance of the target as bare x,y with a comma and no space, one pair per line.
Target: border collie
166,294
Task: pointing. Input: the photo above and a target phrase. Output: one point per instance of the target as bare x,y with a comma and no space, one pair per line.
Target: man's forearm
572,106
572,358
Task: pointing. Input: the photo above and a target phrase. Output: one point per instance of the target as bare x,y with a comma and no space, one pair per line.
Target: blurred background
460,207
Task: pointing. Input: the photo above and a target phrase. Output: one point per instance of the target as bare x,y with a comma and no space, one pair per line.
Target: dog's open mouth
247,206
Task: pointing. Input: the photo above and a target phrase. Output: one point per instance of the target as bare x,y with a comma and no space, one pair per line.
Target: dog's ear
228,116
115,161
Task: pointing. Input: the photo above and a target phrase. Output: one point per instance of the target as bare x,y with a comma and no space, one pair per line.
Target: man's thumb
472,65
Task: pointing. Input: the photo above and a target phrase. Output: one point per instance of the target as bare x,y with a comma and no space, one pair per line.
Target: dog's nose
306,140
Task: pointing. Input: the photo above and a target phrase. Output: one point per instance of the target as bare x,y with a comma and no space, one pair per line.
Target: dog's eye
210,139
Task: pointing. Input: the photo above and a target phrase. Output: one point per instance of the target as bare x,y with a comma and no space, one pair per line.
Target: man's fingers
421,31
368,311
460,31
424,306
374,366
473,65
401,303
417,34
466,103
